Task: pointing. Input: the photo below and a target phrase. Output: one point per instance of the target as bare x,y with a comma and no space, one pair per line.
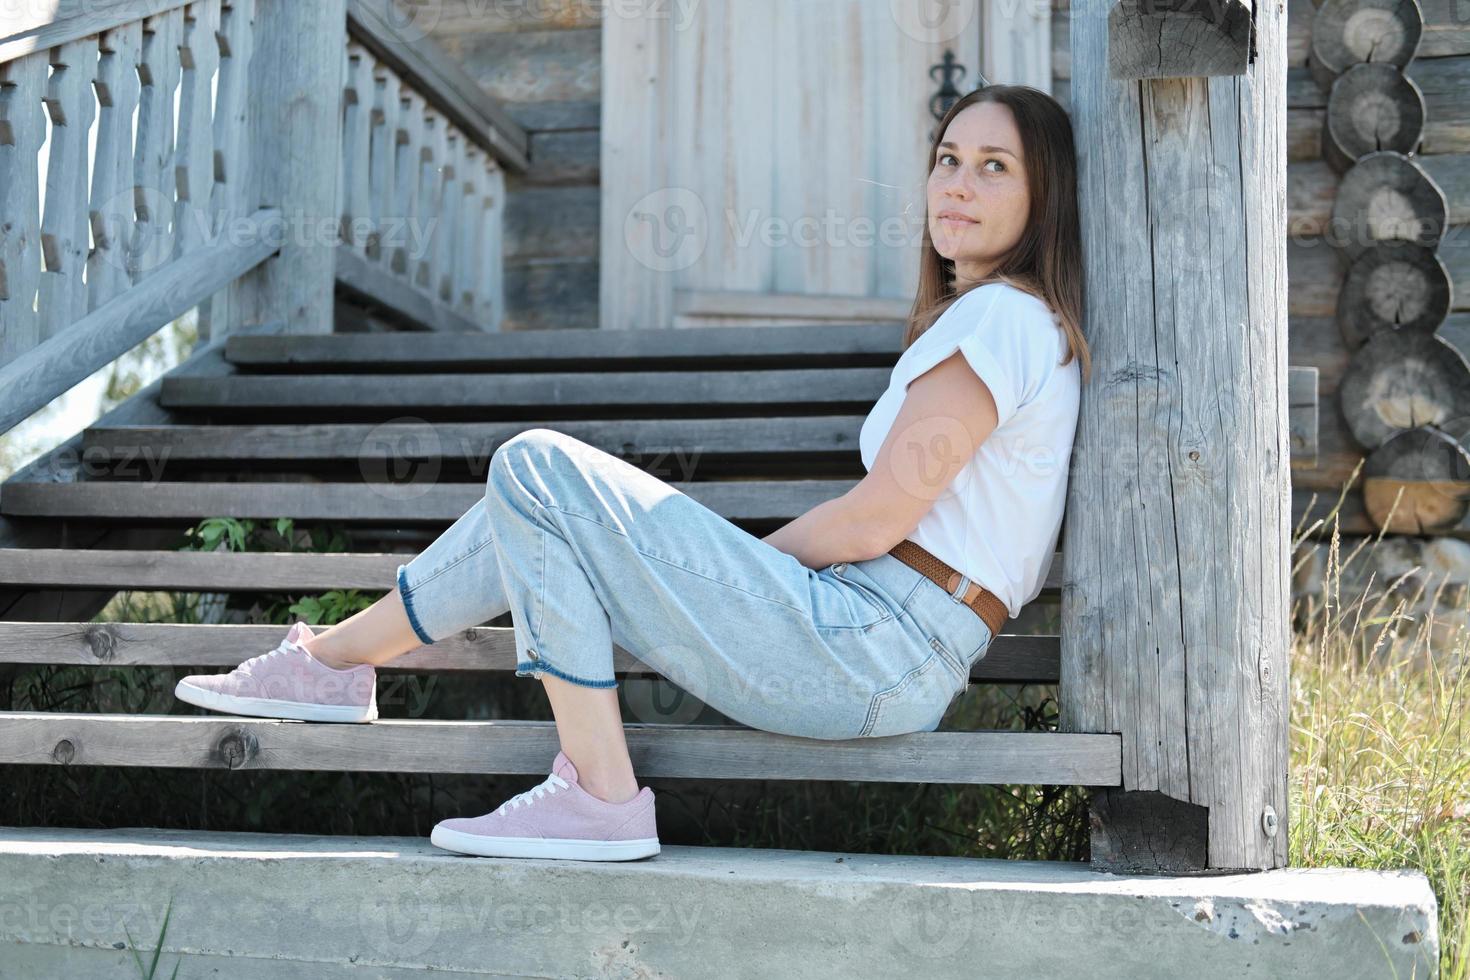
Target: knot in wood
237,749
64,752
102,641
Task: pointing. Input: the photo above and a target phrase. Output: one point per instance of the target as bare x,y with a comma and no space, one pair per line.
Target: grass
1380,760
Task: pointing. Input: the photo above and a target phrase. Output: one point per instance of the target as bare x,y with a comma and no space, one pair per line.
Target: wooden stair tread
657,750
588,350
1011,659
735,500
220,571
489,392
667,441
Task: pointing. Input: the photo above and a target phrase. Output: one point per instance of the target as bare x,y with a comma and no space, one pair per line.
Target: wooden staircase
390,435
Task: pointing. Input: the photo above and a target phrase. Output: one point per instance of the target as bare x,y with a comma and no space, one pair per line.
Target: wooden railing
115,219
423,190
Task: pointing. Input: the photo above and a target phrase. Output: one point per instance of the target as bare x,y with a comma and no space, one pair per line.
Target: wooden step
667,447
1011,659
658,751
601,393
735,500
221,571
815,346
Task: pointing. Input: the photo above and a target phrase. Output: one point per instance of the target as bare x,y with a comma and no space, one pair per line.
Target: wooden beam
658,751
378,289
295,161
1176,626
29,27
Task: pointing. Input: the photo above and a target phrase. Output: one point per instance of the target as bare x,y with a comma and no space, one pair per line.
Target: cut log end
1372,107
1169,39
1395,286
1347,32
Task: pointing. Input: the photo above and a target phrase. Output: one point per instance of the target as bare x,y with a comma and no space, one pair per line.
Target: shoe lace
284,648
548,786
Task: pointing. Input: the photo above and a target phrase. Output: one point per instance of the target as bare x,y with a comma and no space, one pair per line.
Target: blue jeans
586,550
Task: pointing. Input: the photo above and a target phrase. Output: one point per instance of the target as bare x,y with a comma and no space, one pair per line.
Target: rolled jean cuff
407,595
530,668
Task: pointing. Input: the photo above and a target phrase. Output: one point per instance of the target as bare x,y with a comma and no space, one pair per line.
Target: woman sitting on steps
862,617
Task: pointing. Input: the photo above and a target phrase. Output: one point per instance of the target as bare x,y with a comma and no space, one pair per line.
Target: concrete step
266,905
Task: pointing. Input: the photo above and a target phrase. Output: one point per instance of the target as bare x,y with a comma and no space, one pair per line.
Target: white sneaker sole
273,707
545,847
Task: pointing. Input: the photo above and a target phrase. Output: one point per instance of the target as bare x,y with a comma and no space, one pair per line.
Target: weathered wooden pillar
1175,604
293,160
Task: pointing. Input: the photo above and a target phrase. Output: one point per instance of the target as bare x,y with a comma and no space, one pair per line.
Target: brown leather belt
986,604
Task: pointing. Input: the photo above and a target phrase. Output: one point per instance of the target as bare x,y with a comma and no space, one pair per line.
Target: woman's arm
947,413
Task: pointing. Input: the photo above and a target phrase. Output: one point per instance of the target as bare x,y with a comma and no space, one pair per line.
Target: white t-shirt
1000,519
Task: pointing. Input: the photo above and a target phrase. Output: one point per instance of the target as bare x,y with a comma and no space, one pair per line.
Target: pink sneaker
556,819
288,682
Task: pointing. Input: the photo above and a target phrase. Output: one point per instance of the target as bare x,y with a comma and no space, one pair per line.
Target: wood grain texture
70,105
37,27
658,751
111,209
100,337
1185,40
1175,608
295,156
1010,659
214,571
23,118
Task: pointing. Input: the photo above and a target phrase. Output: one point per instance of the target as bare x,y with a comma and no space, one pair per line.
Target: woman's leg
376,635
456,584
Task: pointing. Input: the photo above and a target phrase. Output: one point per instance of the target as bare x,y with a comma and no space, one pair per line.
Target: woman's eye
950,156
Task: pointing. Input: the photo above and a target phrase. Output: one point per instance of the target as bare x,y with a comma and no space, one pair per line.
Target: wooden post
1175,602
293,160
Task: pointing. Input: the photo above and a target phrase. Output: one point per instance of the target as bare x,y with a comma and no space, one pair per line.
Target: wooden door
763,160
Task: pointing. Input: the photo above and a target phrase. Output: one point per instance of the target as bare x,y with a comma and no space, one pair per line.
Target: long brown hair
1047,261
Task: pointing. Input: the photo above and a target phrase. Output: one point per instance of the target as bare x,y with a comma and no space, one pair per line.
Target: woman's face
979,178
